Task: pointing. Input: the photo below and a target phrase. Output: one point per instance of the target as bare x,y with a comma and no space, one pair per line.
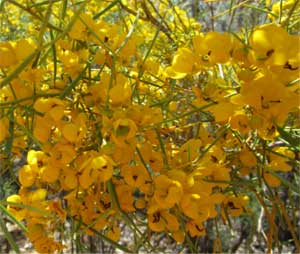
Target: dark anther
214,158
40,164
289,66
199,229
270,52
231,206
156,217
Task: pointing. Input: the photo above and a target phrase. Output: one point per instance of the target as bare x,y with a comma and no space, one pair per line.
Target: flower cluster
116,122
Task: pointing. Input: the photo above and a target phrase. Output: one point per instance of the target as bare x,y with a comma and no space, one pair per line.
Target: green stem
8,236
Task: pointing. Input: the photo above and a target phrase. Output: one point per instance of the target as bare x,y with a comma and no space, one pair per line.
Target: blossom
167,192
162,220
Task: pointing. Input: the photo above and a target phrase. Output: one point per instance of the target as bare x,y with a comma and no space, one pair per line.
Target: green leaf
289,138
8,235
73,84
112,4
12,217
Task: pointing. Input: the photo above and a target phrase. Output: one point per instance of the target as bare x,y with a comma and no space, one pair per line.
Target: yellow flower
195,228
140,203
105,202
43,243
98,168
162,220
129,50
222,111
36,232
135,176
71,62
178,236
37,196
85,179
167,192
213,47
47,245
125,153
239,121
153,158
18,212
33,75
220,173
183,61
279,163
39,162
273,103
80,31
124,129
27,175
100,57
269,43
236,204
187,181
70,132
125,197
102,167
13,52
114,233
61,154
37,159
23,48
247,157
68,179
7,55
50,173
151,65
191,205
189,150
44,105
120,94
171,73
22,90
56,207
54,111
42,128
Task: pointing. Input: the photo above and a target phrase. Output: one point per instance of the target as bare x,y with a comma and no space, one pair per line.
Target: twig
155,21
